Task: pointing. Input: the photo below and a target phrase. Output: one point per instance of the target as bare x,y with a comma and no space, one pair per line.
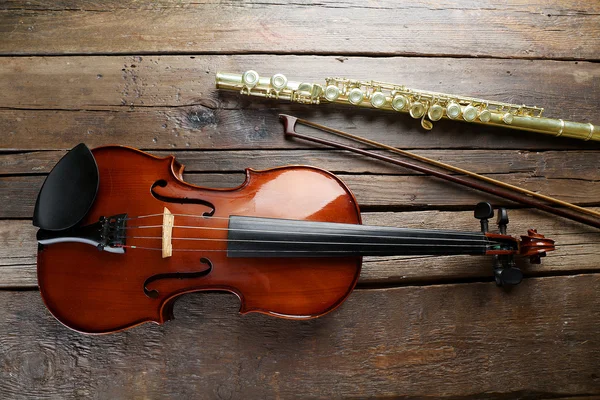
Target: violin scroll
535,245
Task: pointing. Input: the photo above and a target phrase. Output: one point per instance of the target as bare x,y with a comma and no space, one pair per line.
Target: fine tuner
420,104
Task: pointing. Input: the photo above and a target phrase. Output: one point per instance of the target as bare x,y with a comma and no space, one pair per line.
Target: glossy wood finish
99,292
285,241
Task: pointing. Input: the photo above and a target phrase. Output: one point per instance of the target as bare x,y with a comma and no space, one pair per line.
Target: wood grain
170,102
19,193
198,127
524,30
104,82
531,342
577,250
142,74
578,164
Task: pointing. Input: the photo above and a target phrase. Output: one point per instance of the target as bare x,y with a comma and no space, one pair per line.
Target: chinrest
68,192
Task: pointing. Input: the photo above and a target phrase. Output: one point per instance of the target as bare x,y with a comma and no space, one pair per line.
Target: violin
122,236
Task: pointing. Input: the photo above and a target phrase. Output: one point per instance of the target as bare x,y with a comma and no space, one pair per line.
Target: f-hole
163,183
153,293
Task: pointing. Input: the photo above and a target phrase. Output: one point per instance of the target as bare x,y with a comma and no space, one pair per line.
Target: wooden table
142,74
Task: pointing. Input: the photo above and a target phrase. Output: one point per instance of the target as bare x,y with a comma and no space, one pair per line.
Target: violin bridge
167,233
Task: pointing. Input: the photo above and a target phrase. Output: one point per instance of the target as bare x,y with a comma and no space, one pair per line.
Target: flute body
420,104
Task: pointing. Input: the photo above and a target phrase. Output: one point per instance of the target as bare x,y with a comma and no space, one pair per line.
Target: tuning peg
483,211
536,259
502,220
508,276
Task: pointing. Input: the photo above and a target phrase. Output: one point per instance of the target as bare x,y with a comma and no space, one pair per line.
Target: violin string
371,253
176,215
160,215
488,243
475,240
448,233
257,220
463,244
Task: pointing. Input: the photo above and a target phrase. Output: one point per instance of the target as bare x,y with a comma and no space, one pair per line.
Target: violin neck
270,237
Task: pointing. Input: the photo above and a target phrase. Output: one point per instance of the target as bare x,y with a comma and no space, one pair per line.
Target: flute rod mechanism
425,105
504,190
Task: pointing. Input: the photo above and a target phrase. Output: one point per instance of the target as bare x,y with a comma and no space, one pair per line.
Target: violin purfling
122,236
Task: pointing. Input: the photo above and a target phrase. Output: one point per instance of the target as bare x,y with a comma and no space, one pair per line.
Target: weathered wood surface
580,165
142,74
101,82
169,102
447,341
520,29
372,191
577,250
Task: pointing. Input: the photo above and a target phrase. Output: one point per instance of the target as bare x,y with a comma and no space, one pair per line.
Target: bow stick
528,197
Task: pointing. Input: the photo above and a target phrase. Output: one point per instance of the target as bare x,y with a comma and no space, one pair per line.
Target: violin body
96,292
122,236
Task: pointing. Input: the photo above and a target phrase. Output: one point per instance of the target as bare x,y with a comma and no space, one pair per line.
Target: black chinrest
68,192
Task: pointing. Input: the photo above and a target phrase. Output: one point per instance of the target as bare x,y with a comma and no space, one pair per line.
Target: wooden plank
577,250
198,127
18,245
466,340
550,164
164,102
95,82
19,193
481,29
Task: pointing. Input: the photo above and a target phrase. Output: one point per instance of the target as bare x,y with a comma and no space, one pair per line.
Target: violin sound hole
153,293
161,183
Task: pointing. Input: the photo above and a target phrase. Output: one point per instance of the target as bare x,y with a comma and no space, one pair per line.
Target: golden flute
420,104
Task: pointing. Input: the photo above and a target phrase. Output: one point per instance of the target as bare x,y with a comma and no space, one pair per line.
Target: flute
419,104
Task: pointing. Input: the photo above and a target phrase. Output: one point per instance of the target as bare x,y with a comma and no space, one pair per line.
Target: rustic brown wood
197,127
175,104
95,82
450,341
532,30
576,164
411,331
577,250
408,192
